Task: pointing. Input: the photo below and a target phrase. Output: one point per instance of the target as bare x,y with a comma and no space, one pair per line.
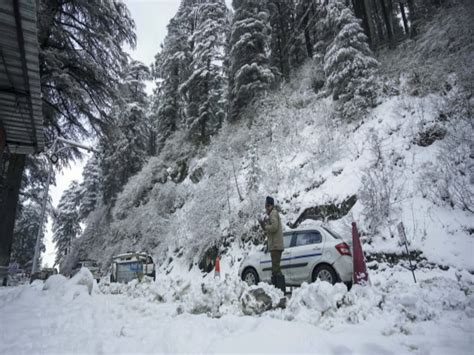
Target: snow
204,315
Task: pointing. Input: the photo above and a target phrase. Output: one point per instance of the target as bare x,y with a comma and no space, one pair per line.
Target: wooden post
403,239
8,206
3,139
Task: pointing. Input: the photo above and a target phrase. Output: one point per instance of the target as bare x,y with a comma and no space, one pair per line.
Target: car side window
287,240
308,238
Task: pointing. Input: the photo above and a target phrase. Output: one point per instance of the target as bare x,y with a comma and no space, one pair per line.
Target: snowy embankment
391,316
405,162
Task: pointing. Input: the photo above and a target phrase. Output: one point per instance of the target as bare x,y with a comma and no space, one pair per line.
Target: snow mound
310,301
80,285
83,277
214,297
55,283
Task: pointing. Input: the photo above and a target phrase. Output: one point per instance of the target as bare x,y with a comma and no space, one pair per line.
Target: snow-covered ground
206,315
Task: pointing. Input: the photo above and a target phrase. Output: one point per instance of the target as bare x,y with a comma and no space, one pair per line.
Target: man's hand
262,219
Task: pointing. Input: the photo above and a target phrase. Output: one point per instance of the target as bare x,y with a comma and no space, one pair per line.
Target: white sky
151,18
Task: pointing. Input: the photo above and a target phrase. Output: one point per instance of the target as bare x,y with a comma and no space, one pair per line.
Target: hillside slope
409,160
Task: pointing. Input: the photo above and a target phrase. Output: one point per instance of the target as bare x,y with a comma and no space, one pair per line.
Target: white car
310,254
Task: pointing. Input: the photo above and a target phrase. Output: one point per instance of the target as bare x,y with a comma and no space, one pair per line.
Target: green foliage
349,64
205,89
24,238
66,226
250,74
81,57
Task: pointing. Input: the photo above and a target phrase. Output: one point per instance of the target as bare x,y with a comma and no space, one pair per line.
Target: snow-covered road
390,317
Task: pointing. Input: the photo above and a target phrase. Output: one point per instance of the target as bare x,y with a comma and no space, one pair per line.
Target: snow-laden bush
449,178
136,189
380,189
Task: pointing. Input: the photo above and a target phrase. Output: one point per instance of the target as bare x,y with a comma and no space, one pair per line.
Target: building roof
20,92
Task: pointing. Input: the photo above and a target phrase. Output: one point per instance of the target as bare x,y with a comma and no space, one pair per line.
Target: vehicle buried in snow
129,266
89,264
310,253
44,273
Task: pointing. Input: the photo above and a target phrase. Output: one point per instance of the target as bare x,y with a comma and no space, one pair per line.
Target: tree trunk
8,205
377,21
361,12
413,18
387,17
404,18
307,36
365,4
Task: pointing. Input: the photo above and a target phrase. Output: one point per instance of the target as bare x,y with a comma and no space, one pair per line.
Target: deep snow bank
392,316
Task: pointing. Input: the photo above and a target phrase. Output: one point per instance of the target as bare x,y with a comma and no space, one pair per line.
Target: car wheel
250,276
325,273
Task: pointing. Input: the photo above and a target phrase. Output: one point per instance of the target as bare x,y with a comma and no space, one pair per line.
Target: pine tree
349,64
250,74
66,226
255,173
281,17
81,57
90,189
205,88
28,213
125,143
305,22
172,68
24,237
80,53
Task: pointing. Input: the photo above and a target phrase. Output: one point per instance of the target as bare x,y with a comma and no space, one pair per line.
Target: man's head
269,203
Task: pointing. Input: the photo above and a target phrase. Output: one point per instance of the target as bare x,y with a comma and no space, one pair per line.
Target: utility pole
52,158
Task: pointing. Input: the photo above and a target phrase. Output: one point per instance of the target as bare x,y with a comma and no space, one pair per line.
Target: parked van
129,266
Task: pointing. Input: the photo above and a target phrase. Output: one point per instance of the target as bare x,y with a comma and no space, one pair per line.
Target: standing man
273,228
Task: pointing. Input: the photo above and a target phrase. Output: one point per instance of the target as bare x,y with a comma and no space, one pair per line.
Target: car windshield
89,264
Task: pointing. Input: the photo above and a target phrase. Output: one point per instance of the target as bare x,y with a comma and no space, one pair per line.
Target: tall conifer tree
205,89
66,226
250,73
349,64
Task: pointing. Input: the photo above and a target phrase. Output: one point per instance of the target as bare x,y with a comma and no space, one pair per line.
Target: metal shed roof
20,92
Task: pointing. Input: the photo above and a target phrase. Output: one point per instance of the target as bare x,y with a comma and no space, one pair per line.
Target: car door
307,252
266,260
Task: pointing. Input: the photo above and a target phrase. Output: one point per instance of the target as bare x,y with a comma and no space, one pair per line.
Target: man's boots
279,282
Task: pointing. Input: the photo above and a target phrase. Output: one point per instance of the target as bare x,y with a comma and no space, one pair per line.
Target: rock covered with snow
261,298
